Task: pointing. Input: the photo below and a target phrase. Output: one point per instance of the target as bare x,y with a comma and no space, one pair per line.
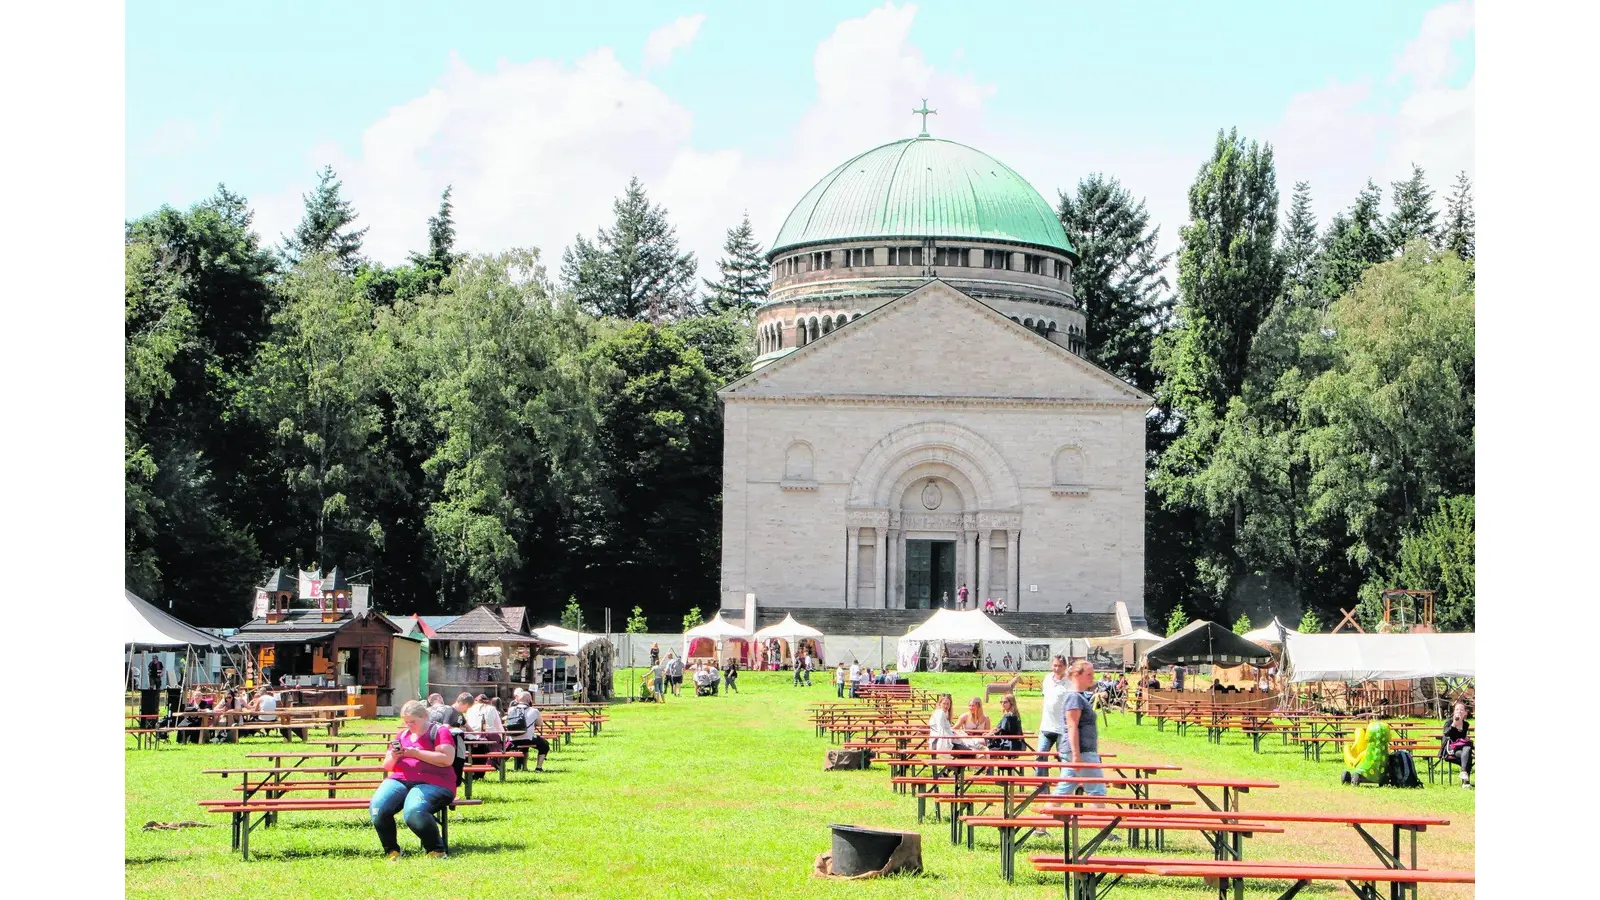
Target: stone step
896,622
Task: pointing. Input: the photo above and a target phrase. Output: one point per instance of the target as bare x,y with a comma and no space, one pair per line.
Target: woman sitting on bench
421,781
1457,742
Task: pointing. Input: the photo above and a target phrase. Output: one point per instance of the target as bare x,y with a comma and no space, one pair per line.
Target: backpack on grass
1403,770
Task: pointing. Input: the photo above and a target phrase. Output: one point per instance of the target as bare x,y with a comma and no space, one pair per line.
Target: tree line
466,428
461,428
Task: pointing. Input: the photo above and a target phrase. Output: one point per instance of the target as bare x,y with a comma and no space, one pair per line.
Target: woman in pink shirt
421,781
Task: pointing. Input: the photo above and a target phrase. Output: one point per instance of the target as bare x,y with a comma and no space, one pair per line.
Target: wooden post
505,669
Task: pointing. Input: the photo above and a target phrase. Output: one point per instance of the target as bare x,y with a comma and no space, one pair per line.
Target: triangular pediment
937,341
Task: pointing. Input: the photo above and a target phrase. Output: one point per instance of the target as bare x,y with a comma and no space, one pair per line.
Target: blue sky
539,112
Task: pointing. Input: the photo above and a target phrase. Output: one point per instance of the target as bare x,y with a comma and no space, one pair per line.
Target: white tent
1269,634
1378,657
1137,640
570,641
718,631
959,627
791,632
148,631
145,626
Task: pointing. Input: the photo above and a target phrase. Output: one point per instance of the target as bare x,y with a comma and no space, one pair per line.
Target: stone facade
933,418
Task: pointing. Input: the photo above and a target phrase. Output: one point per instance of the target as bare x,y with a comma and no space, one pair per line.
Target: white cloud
669,39
538,151
1338,136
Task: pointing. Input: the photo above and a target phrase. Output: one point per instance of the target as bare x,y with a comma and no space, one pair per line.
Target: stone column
963,568
1012,588
880,578
852,567
976,571
897,565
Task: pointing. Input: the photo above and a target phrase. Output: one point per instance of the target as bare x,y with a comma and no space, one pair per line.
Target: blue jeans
417,802
1092,789
1048,740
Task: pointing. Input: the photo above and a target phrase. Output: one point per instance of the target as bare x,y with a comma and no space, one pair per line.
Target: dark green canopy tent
1206,643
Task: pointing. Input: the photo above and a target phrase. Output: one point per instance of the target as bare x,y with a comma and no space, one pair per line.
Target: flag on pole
310,585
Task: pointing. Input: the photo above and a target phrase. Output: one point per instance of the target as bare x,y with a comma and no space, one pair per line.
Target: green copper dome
923,188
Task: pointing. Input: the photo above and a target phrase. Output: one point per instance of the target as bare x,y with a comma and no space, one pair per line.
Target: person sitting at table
421,781
1458,741
1008,734
525,713
483,718
941,730
973,722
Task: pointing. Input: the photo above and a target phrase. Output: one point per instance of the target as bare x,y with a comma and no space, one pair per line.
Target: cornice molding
932,400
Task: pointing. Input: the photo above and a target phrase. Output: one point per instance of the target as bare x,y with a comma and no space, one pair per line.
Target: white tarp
1378,657
1000,656
570,641
145,626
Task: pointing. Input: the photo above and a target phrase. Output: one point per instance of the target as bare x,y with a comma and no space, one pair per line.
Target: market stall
779,642
959,640
715,641
481,652
556,669
1401,674
186,656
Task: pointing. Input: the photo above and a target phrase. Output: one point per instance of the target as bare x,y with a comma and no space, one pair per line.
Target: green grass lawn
707,797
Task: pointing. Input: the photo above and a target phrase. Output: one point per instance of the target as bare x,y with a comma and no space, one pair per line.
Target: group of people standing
665,677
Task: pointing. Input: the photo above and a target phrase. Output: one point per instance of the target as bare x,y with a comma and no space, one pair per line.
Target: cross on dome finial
924,112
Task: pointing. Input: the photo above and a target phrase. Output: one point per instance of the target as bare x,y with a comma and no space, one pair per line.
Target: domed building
921,416
886,221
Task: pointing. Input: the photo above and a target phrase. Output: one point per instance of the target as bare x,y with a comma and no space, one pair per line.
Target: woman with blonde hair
421,781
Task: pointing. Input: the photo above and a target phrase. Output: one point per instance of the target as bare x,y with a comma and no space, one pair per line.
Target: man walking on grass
1080,741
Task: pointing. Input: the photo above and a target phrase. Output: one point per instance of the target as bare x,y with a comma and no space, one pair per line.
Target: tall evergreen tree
633,270
326,226
746,274
440,257
1300,245
1119,276
1459,222
1413,216
1354,241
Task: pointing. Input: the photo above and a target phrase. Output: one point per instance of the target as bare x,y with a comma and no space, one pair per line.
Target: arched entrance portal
933,506
935,503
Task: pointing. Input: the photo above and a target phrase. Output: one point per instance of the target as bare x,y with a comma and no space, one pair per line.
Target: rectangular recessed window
996,259
916,256
1032,264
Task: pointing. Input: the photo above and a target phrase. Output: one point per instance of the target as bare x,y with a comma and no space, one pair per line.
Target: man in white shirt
855,676
1052,721
522,706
